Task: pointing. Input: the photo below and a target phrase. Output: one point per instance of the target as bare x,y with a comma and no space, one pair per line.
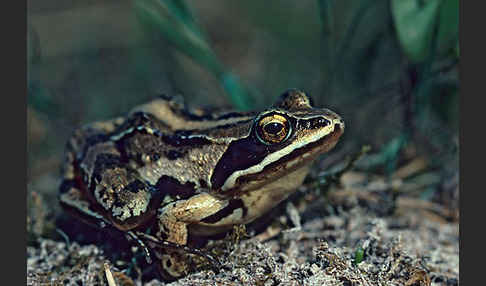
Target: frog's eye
273,128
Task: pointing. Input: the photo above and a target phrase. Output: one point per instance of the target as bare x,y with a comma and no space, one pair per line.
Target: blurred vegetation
389,67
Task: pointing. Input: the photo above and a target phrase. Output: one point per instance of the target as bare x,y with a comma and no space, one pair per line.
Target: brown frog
163,173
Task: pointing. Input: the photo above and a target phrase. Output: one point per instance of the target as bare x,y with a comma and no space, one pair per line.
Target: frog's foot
173,260
135,237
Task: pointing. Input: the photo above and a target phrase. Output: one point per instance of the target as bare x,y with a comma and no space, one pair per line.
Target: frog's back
175,115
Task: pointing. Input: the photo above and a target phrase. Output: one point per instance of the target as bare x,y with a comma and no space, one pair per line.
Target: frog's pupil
273,128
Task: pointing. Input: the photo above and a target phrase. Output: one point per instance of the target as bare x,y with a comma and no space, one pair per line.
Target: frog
166,171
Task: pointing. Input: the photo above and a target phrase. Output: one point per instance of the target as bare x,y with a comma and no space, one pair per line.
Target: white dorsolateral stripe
231,180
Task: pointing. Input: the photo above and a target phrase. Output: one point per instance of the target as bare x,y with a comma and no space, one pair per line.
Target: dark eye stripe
244,153
313,123
294,154
240,155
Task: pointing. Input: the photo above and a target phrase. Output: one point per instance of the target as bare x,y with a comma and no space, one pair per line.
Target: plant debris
355,245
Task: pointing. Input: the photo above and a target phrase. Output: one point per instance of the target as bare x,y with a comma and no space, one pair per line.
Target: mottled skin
184,173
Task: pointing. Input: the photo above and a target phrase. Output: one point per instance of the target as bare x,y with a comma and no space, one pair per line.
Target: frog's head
280,140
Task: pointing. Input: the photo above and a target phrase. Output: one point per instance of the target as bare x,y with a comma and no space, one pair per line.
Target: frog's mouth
288,163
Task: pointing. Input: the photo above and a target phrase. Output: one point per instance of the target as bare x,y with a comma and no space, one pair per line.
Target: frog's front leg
175,217
173,221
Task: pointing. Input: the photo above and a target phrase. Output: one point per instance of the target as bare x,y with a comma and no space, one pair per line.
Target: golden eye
272,129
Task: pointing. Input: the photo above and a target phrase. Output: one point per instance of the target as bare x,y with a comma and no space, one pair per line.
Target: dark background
390,68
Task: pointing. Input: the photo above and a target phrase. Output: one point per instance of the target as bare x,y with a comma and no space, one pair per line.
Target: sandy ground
348,236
